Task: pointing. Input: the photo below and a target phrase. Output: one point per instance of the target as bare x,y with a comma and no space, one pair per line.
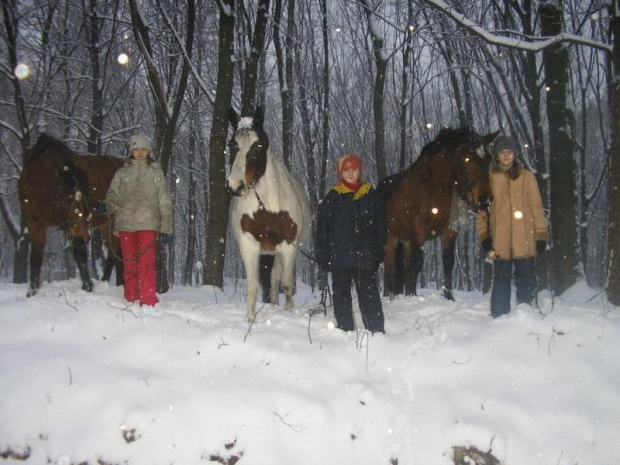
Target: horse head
72,201
248,152
470,168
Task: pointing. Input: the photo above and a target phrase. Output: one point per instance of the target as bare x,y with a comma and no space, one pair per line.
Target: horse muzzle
238,191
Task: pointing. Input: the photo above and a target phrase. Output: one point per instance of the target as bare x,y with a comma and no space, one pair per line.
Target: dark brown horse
419,202
60,188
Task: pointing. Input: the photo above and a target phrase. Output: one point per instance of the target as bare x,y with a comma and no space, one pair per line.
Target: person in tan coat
515,230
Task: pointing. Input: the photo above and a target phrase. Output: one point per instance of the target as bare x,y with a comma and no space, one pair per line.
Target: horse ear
233,118
258,117
490,137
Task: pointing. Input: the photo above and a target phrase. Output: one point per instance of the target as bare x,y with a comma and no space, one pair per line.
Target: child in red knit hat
351,236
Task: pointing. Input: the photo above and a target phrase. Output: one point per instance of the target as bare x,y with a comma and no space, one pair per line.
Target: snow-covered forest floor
88,379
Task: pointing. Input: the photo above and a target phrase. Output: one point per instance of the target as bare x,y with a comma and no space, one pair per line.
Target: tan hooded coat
517,215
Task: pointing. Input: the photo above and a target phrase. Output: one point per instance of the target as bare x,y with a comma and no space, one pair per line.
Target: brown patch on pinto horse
269,228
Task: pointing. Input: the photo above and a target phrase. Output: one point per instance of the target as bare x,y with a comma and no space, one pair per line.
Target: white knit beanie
140,141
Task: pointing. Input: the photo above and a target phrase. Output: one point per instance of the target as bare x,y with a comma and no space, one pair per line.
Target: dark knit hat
504,143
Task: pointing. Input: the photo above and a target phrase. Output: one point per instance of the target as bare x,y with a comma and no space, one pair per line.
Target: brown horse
58,187
419,202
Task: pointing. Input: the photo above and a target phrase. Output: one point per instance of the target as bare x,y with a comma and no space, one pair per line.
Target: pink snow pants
139,249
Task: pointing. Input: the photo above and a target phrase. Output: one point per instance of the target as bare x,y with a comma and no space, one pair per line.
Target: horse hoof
448,295
31,292
87,286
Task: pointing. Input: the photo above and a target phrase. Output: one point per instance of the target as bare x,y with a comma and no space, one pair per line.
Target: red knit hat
347,162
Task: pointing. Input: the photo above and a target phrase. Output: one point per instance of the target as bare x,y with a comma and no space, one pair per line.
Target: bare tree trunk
257,46
404,93
218,201
613,289
166,115
192,210
20,238
563,205
379,88
285,75
325,147
95,126
447,49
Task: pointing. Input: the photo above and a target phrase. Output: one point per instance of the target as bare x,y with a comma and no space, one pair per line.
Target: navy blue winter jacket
351,228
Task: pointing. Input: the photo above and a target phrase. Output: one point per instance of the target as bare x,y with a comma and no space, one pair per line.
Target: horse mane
447,138
47,145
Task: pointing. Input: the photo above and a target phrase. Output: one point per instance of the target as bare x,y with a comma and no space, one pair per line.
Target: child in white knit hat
138,198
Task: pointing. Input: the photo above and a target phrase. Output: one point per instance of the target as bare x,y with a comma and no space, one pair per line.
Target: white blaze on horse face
245,138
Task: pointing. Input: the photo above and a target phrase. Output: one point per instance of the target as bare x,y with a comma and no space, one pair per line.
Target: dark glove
324,266
166,239
101,208
487,244
541,246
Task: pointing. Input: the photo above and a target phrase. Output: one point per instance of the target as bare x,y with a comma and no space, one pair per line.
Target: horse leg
80,254
37,246
288,281
448,241
390,265
414,266
109,263
276,276
117,259
265,274
250,253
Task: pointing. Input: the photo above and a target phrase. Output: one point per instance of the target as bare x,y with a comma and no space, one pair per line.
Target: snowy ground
86,379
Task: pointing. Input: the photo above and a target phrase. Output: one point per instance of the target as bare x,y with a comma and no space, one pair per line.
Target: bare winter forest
380,78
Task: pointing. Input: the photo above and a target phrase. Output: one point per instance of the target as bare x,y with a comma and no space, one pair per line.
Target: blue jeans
525,281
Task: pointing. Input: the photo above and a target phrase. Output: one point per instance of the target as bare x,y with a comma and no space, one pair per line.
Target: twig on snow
252,322
295,428
67,300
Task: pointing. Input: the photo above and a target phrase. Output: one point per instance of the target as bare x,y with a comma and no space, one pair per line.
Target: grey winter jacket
138,198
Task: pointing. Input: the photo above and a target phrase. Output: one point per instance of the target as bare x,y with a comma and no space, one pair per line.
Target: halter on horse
420,202
58,188
270,209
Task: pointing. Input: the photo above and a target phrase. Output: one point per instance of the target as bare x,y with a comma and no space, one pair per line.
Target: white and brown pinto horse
270,209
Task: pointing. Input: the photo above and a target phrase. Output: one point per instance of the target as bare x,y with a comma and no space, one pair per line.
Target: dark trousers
525,282
367,294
